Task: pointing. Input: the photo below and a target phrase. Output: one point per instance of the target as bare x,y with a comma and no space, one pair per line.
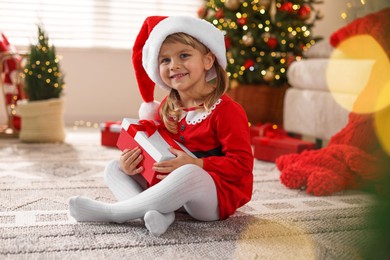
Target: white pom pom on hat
147,46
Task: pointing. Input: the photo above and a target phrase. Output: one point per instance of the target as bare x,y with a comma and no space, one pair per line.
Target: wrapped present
268,130
269,149
254,131
154,142
110,131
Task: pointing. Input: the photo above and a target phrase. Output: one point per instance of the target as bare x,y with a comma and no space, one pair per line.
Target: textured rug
37,179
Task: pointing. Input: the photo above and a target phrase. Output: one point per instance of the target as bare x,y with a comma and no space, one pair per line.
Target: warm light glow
363,74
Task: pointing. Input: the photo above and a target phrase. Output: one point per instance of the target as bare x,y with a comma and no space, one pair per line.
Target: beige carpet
37,179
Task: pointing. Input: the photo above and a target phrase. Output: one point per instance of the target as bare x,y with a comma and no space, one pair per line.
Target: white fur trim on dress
200,29
148,111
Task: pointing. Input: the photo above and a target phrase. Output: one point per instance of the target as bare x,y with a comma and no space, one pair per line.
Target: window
85,23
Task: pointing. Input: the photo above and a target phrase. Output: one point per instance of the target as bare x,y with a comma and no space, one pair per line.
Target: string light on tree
269,33
42,70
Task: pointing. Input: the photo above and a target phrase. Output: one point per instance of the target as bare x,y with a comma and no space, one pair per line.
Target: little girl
186,56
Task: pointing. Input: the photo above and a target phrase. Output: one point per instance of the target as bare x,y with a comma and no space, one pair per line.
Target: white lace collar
197,116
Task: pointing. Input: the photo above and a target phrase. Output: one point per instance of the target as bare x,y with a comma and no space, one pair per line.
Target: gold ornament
232,4
234,84
247,39
269,75
229,55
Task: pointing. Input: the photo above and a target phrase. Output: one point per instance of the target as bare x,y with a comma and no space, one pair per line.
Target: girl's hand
181,159
129,161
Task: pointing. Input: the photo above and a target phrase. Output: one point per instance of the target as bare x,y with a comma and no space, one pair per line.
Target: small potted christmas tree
42,112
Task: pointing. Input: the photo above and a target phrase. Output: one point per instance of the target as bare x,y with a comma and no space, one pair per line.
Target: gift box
266,130
110,131
254,131
269,149
154,142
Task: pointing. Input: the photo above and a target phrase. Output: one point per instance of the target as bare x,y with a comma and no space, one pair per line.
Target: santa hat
147,46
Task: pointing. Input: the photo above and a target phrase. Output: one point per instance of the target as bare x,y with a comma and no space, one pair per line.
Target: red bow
150,127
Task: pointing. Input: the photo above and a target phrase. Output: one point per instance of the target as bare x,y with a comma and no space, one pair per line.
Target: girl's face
183,67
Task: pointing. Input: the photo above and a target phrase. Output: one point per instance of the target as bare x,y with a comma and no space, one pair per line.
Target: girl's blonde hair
171,109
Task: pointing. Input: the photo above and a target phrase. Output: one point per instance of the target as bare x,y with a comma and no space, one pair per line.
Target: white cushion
315,113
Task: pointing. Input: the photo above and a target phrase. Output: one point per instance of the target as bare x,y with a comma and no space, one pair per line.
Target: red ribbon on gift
272,131
150,127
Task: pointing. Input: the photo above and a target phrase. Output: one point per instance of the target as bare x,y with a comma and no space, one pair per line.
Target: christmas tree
263,37
42,74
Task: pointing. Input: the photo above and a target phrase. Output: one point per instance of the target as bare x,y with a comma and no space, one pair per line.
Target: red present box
110,131
254,131
153,141
269,149
268,130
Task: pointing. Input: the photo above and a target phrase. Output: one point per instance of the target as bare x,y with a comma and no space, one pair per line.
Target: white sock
86,209
157,223
189,185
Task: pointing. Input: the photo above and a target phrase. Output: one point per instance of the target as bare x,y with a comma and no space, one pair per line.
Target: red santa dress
221,138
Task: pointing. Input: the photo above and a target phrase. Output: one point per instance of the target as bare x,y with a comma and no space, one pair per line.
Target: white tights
189,186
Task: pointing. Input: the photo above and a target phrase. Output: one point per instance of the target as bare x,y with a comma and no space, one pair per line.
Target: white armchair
322,92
